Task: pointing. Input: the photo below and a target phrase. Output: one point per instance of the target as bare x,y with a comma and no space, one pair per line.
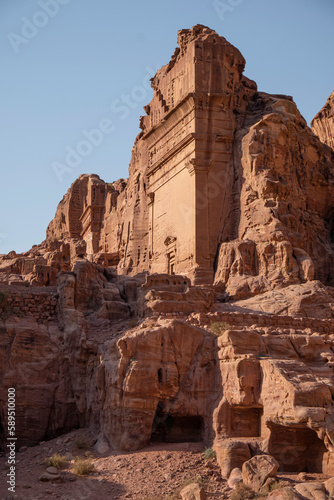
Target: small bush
84,467
81,443
56,460
209,453
242,492
279,485
219,328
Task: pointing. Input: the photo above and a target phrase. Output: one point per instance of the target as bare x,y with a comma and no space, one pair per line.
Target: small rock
235,478
284,494
48,477
302,476
52,470
193,492
68,456
266,487
101,446
67,439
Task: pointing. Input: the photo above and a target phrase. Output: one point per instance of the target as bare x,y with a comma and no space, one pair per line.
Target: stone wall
283,323
39,302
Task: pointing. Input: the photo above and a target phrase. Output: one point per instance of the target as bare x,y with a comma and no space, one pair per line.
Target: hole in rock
296,449
246,422
168,428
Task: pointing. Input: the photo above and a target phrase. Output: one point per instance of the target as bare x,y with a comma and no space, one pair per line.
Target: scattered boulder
312,491
47,476
52,470
193,492
266,488
284,494
235,478
256,471
231,454
101,446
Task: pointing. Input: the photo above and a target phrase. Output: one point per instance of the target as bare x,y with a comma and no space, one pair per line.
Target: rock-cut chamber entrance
169,428
296,449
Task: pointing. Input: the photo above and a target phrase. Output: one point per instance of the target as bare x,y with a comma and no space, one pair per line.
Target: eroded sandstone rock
257,470
228,211
193,492
323,122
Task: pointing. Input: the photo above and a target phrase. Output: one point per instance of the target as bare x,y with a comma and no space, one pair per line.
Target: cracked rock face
285,190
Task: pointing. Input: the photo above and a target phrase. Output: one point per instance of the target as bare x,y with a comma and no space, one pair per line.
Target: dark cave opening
169,428
296,449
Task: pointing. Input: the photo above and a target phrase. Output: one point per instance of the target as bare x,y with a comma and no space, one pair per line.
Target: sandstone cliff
323,123
193,301
226,184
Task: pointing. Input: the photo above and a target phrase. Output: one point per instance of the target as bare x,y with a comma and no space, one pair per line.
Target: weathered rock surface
234,478
193,492
329,486
283,231
284,494
254,213
257,470
323,122
308,300
227,214
311,491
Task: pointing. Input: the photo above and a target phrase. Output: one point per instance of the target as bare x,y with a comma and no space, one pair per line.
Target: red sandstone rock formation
230,199
285,190
224,183
323,122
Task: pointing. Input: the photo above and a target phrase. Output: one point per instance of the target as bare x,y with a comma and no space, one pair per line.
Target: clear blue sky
69,74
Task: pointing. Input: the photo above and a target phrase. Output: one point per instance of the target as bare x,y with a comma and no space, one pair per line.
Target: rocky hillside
193,302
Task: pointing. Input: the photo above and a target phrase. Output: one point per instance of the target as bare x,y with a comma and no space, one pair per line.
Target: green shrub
219,328
56,460
209,453
83,467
